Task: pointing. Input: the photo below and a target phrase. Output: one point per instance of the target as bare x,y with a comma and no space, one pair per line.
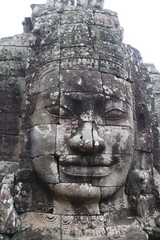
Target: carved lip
88,161
81,171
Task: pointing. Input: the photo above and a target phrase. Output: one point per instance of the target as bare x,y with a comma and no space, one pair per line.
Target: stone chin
80,191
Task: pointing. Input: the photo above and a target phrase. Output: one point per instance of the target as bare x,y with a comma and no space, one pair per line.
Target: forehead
83,81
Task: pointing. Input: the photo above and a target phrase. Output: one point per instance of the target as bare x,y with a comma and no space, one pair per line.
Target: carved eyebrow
82,95
73,96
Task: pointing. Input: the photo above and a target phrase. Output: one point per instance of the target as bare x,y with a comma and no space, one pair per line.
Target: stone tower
79,130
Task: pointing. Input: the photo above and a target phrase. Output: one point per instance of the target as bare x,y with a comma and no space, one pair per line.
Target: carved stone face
82,131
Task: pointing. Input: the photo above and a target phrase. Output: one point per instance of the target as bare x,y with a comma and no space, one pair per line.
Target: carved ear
142,117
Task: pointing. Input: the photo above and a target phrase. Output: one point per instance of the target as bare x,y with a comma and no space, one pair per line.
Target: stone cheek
42,140
46,167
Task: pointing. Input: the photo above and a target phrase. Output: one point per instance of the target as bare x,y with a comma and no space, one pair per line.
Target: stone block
126,232
23,197
44,54
80,63
12,68
31,234
41,140
10,100
50,115
46,78
78,17
101,35
40,20
83,227
112,177
79,35
140,182
64,131
9,122
12,93
9,220
143,141
10,147
113,146
59,3
47,168
97,4
46,35
113,68
7,168
72,199
81,81
145,205
106,19
44,108
79,52
42,197
47,225
33,196
117,87
25,171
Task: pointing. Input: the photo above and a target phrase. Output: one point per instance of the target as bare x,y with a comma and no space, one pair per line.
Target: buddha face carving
82,130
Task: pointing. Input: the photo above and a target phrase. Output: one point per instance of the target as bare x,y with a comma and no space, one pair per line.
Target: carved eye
53,110
66,113
114,114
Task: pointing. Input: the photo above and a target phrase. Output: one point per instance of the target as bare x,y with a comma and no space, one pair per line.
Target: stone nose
87,140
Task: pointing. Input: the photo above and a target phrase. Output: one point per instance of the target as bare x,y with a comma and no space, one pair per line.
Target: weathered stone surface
154,89
9,220
81,16
81,81
4,237
67,195
37,222
46,78
33,196
41,139
42,197
88,145
10,147
117,87
23,197
10,123
46,166
146,205
106,18
7,168
80,227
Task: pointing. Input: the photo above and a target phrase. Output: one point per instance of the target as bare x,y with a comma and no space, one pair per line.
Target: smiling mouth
88,166
84,171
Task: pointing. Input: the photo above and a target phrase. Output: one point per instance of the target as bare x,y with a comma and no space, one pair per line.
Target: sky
139,18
